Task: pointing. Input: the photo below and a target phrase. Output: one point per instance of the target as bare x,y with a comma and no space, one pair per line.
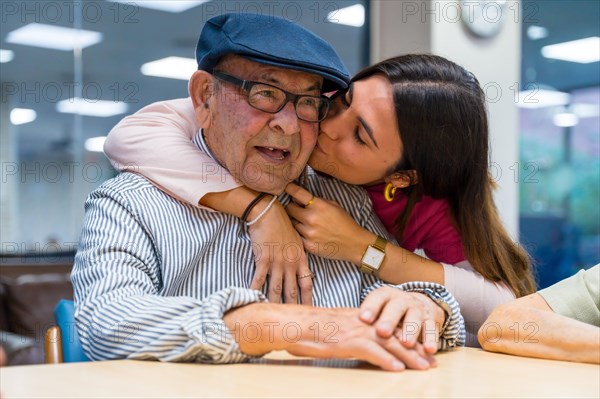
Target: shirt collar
200,142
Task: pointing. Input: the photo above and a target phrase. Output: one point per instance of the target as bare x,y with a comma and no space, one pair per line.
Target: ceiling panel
134,35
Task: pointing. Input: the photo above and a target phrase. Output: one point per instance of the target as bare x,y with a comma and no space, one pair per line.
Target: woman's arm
529,327
477,296
325,223
156,142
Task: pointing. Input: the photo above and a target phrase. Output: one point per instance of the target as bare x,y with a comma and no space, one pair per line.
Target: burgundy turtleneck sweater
429,228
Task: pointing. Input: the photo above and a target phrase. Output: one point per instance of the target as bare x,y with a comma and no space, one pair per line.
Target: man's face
263,151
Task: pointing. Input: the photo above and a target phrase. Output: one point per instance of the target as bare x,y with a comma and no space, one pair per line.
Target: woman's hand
411,316
279,253
327,230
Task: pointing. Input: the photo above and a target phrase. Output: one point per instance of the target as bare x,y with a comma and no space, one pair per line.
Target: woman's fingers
295,212
262,269
305,281
300,196
259,279
275,285
290,287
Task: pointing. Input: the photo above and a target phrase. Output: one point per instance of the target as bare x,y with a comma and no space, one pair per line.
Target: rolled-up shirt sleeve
120,312
576,297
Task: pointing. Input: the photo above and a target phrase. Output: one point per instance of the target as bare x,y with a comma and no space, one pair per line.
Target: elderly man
155,278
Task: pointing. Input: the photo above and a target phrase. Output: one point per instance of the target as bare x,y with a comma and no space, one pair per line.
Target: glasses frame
247,86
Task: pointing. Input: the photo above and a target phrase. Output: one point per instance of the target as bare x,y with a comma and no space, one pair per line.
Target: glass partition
559,167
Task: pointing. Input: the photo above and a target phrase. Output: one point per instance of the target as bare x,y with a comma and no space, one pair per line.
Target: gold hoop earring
389,191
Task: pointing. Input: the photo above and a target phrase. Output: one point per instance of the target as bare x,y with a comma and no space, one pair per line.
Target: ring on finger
310,274
310,202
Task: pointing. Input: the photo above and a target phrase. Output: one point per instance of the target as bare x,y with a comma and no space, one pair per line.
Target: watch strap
367,270
380,243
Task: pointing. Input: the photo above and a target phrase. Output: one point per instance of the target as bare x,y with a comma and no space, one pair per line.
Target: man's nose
286,120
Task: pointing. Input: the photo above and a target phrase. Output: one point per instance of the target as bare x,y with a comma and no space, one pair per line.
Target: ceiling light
584,51
20,116
351,16
162,5
95,144
82,106
6,56
171,67
565,119
538,98
583,110
535,32
54,37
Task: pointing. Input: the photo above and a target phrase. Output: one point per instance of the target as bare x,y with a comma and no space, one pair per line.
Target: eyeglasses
272,99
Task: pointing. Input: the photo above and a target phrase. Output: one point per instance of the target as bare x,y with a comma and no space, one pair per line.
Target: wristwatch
373,256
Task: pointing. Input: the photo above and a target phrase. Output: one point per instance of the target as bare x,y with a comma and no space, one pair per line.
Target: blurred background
70,70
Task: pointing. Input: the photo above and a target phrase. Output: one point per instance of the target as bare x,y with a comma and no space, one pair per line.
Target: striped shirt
154,276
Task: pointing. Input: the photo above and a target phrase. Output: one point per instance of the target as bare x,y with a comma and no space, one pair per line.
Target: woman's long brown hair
443,124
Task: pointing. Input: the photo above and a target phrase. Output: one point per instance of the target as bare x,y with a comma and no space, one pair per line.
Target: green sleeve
577,297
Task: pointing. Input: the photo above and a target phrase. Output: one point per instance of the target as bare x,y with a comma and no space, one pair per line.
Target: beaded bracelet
260,215
252,205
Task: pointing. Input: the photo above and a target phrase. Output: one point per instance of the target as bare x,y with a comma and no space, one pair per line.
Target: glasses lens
266,98
312,109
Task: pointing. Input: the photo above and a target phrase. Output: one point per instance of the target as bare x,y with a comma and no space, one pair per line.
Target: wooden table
462,373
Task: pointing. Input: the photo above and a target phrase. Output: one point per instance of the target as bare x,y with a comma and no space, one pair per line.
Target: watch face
373,257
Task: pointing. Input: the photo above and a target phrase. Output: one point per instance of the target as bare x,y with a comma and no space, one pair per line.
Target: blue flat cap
270,40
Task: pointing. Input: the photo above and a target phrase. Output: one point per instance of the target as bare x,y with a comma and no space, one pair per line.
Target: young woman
413,131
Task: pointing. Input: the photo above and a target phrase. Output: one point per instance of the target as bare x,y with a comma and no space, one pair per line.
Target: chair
62,340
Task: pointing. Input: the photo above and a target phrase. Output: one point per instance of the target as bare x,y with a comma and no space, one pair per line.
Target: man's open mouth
277,154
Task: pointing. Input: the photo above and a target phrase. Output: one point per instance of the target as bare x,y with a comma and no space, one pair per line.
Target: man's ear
202,92
403,178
